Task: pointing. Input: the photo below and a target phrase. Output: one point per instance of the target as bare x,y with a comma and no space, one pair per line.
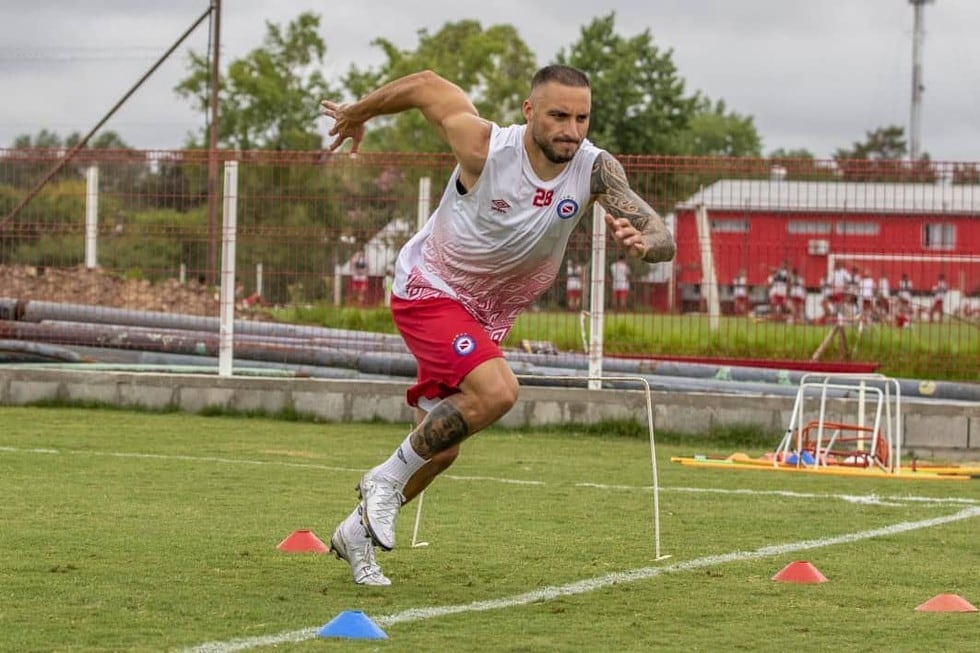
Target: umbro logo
500,206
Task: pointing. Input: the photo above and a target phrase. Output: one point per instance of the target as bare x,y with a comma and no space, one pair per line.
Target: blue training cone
806,458
352,624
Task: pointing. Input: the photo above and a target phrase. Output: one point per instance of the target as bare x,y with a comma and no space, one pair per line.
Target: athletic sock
353,527
402,464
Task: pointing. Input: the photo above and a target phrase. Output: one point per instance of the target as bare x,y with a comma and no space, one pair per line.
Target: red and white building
881,229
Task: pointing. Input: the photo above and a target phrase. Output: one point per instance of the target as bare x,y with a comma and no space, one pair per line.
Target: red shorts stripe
448,343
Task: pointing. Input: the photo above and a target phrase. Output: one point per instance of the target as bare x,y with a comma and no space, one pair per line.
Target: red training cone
800,572
303,542
946,603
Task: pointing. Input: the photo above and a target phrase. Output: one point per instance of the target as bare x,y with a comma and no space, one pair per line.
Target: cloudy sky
814,74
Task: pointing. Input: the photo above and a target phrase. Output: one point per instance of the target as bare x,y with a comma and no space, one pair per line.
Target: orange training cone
303,542
946,603
800,572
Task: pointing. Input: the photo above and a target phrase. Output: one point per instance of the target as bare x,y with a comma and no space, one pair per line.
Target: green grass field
129,531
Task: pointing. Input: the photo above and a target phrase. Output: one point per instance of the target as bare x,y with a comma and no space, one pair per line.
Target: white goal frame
885,394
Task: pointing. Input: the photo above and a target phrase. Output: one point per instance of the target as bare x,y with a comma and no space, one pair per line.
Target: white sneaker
381,500
359,555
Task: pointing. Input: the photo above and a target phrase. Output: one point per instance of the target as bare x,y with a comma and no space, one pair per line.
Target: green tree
799,164
268,99
493,66
796,153
639,105
714,131
107,140
880,157
882,144
44,139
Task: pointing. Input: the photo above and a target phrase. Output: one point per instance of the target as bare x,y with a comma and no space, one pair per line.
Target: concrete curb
933,429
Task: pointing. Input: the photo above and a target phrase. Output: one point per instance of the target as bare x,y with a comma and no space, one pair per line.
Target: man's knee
490,391
504,395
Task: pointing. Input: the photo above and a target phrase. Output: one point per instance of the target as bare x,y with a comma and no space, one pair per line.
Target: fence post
425,199
709,279
91,216
597,296
226,329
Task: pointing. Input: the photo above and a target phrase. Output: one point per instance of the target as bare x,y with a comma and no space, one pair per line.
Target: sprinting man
492,246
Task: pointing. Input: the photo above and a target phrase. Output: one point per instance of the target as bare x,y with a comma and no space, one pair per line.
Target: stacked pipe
100,335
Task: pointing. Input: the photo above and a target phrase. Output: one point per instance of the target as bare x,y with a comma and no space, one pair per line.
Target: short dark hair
565,75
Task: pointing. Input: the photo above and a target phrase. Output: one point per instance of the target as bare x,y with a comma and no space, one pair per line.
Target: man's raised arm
633,223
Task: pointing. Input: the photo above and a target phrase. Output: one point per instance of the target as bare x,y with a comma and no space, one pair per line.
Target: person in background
939,291
620,273
866,290
778,290
797,297
884,298
574,282
492,246
827,300
740,292
359,279
841,285
903,314
854,292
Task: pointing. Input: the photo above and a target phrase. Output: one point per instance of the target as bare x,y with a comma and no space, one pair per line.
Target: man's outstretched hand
344,126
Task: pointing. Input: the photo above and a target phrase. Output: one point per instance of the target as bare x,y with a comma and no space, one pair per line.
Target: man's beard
552,154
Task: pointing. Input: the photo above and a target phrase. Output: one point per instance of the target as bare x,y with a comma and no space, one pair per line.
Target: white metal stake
91,216
229,220
597,296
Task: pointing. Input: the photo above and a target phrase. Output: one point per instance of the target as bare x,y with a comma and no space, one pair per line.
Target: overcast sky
814,74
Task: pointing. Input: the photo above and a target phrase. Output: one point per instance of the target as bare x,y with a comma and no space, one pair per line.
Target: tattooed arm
633,223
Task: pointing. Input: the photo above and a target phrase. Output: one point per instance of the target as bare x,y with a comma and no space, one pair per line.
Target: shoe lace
388,501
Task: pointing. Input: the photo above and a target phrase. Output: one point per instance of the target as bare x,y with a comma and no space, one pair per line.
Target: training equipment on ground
658,555
842,425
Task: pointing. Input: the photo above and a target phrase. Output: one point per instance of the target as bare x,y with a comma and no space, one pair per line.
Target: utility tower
915,119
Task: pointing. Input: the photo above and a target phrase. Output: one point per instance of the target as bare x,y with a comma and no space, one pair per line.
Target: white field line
870,499
592,584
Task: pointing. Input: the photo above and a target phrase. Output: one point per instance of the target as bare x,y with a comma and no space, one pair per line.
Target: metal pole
226,329
597,296
915,120
80,144
91,216
212,253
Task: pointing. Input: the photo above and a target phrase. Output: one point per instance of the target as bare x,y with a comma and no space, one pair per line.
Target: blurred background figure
575,279
740,292
359,280
938,299
797,297
620,272
903,314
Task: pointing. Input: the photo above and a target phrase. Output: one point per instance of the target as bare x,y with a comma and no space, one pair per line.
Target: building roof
836,196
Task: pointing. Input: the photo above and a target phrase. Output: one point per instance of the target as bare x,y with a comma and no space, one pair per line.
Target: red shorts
447,342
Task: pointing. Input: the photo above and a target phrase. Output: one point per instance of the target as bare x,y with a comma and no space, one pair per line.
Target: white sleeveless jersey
499,246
